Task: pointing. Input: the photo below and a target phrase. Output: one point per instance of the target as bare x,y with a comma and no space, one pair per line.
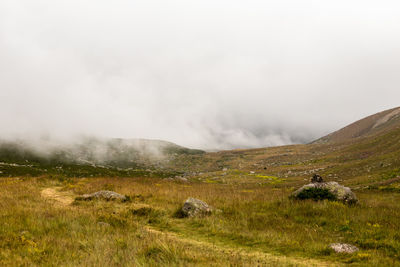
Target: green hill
88,157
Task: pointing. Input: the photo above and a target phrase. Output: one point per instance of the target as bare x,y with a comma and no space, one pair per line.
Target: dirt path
60,198
254,257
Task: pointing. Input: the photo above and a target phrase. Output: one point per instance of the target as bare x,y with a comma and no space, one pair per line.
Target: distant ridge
375,124
93,152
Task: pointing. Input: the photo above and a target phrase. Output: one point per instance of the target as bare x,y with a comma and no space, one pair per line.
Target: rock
182,179
317,179
325,190
194,207
105,195
343,248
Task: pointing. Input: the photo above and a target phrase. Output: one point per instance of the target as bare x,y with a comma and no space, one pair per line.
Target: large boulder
194,207
104,195
319,190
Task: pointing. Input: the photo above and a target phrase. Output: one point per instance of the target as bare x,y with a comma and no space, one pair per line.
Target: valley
254,221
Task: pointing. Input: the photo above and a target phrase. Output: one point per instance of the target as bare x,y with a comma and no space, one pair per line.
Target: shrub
316,194
178,213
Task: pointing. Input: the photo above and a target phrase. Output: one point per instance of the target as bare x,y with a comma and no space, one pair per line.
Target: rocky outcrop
194,207
319,190
343,248
104,195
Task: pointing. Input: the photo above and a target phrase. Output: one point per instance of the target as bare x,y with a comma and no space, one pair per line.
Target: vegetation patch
272,179
150,215
115,220
316,194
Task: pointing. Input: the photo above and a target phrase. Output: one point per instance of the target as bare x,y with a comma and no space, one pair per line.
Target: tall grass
258,219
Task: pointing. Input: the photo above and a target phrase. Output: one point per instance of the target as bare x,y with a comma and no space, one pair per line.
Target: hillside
371,157
254,222
372,125
87,156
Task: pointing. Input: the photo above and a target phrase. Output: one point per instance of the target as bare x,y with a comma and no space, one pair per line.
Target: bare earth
60,198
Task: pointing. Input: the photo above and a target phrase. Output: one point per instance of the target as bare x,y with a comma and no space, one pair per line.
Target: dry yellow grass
257,225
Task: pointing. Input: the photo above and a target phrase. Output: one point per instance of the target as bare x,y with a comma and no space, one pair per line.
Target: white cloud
210,74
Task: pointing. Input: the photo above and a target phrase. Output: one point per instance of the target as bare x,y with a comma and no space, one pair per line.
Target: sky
210,74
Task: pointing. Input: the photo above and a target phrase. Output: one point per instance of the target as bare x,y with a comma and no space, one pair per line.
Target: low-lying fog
203,74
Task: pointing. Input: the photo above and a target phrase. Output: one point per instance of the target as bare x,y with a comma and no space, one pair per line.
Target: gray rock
105,195
343,248
340,192
182,179
194,207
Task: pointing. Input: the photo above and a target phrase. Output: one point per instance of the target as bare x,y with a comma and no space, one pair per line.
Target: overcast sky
208,74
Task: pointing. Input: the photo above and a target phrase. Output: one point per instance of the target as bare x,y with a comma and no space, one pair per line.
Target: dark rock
317,179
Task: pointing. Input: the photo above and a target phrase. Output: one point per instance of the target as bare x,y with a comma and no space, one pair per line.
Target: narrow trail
259,258
60,198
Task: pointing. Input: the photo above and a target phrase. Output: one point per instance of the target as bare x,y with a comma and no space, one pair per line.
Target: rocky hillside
375,124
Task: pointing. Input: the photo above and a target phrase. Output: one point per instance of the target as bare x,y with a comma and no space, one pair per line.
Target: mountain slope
87,156
375,124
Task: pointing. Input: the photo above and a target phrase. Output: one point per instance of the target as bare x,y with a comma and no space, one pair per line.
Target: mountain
96,156
249,188
372,125
367,150
363,154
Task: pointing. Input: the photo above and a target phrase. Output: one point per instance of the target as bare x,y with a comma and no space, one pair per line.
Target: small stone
316,179
103,224
182,179
343,248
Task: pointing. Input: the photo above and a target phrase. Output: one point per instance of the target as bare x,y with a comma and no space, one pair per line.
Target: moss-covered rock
325,190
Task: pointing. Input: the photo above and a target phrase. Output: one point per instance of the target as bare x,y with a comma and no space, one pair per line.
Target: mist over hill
232,74
131,157
88,155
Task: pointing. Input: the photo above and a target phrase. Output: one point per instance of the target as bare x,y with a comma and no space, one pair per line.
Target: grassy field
254,224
